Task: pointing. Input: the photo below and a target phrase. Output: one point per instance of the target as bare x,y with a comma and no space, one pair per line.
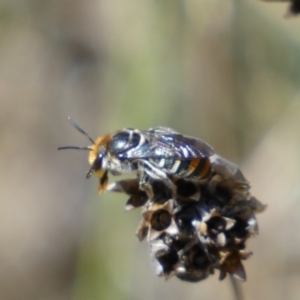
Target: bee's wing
163,142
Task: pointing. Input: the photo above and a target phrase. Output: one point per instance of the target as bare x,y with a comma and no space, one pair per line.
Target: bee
155,154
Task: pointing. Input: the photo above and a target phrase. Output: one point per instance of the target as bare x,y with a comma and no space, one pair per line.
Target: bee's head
97,153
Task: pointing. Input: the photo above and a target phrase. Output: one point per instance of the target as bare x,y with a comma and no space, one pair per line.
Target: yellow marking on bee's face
100,142
99,173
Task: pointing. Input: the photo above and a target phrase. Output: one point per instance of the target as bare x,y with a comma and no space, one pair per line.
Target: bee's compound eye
98,162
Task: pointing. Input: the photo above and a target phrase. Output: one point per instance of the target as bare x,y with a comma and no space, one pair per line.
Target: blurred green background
227,71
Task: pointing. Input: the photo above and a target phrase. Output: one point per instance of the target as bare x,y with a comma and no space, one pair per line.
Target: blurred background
227,71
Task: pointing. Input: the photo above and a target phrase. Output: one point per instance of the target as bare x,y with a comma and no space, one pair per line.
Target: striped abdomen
194,168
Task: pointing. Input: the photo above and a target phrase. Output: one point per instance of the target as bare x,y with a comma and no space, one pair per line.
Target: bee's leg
148,170
145,184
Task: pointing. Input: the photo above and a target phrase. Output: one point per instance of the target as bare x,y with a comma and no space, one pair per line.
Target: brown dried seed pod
163,257
192,275
159,219
227,169
185,217
231,263
228,191
130,187
142,230
161,193
194,265
167,260
187,189
177,242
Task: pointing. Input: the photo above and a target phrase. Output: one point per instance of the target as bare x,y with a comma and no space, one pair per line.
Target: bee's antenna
74,147
81,130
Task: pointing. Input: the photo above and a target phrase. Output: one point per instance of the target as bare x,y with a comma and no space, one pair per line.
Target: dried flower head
201,228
